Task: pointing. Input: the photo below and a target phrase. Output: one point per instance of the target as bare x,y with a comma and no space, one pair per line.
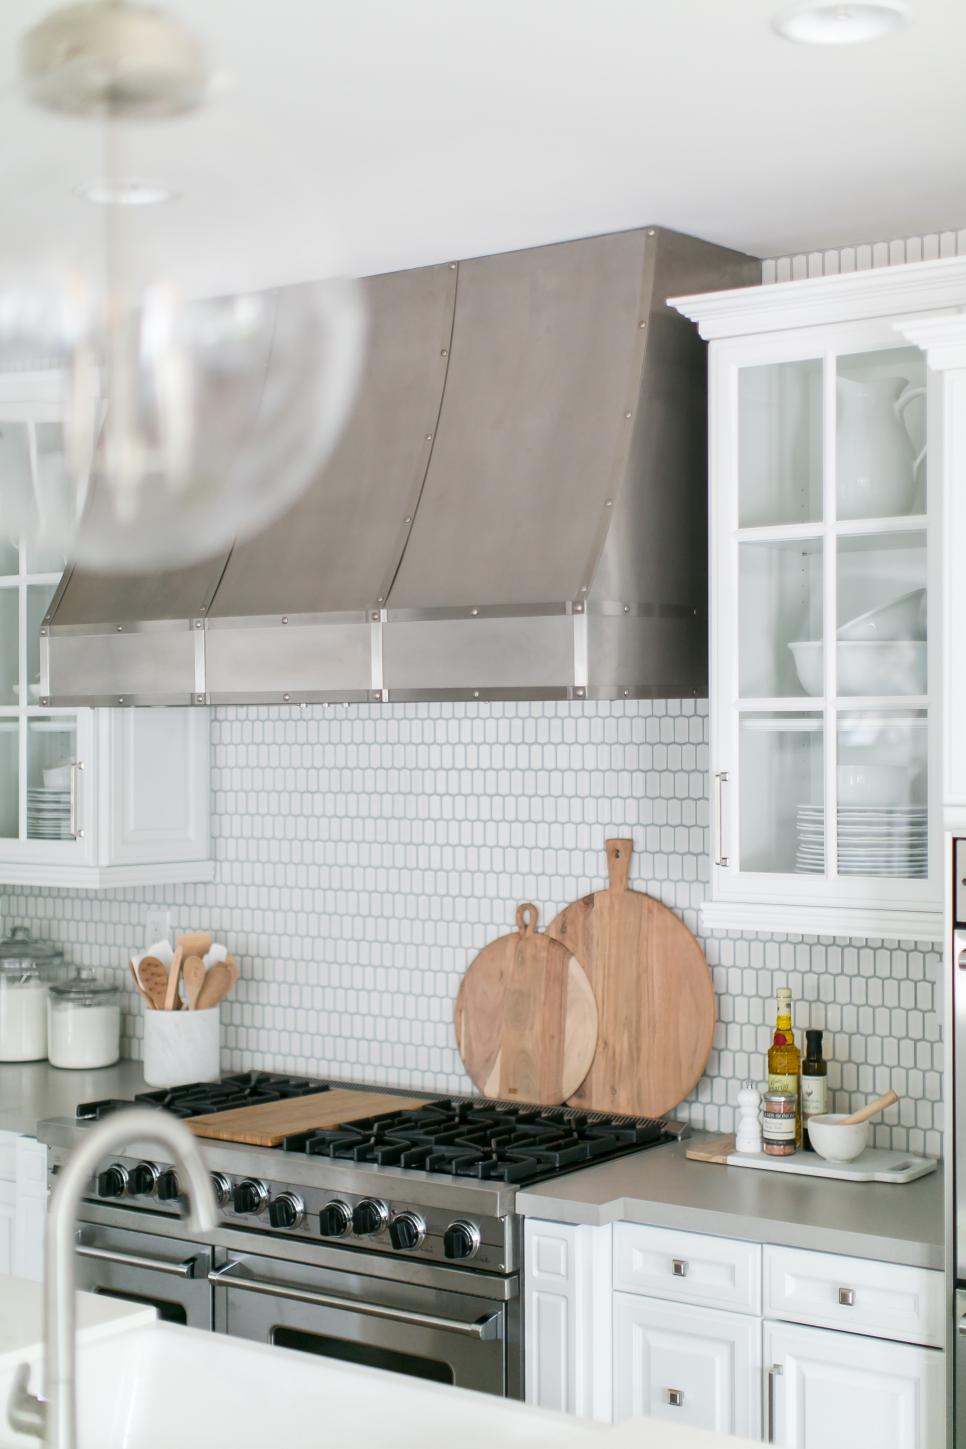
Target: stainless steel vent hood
517,508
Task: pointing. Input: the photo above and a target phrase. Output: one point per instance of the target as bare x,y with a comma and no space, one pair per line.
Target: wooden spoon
219,980
872,1110
154,981
137,985
193,972
171,998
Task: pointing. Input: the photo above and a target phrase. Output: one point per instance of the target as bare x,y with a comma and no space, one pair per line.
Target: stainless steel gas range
391,1242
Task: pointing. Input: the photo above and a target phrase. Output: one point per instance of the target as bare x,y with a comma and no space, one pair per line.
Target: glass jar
83,1021
779,1124
27,967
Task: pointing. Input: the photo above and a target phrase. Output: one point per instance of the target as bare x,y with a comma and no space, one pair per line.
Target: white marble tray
875,1164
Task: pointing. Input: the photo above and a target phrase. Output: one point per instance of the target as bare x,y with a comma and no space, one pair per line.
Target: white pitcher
877,466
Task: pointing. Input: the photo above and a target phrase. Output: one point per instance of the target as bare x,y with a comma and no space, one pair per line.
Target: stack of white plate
48,813
872,840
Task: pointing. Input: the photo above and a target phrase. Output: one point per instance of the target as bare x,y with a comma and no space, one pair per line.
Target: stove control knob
112,1182
220,1186
335,1219
286,1211
407,1230
250,1196
143,1179
368,1217
168,1185
461,1240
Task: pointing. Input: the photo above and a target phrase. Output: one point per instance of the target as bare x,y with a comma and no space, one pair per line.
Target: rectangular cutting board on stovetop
269,1123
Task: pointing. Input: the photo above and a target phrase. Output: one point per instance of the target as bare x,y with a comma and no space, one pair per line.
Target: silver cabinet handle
720,858
72,822
485,1328
847,1297
135,1260
773,1373
675,1397
679,1267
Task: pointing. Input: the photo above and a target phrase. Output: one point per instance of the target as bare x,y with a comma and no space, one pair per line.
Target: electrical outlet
157,925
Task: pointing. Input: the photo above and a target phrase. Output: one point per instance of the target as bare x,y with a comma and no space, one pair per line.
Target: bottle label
781,1083
814,1096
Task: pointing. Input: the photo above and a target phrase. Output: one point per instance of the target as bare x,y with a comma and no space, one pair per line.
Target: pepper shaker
748,1138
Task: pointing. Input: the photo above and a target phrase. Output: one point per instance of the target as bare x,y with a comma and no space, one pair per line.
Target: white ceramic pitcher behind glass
877,466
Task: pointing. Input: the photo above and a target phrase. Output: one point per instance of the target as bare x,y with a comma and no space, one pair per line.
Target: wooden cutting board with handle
269,1123
526,1019
654,995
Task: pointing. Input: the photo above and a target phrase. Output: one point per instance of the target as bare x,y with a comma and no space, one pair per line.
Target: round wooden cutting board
654,996
526,1019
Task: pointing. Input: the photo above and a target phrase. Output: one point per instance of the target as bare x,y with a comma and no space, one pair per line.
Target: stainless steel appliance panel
444,1336
170,1274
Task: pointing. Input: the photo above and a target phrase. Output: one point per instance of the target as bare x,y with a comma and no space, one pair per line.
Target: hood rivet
119,628
578,608
284,618
627,608
627,415
286,698
642,324
476,694
444,352
474,612
580,694
609,503
407,520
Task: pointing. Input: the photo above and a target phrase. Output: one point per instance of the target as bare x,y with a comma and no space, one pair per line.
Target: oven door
169,1274
428,1332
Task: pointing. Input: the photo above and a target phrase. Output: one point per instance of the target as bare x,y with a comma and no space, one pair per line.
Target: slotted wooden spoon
154,981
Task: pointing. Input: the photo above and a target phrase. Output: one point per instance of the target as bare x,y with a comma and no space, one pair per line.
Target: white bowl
835,1141
865,666
902,618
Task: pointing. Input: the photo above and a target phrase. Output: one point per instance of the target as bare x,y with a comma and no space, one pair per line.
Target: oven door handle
135,1260
485,1328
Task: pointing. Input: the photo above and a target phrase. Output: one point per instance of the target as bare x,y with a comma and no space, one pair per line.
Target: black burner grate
244,1089
491,1141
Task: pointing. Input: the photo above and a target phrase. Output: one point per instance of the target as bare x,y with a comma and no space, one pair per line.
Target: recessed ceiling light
126,193
830,22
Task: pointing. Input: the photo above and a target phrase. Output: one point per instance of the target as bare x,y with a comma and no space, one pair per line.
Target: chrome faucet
54,1417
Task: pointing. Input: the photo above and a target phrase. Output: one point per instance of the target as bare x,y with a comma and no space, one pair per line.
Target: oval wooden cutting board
654,996
526,1019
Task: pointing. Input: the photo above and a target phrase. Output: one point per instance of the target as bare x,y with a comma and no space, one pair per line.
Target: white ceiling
389,133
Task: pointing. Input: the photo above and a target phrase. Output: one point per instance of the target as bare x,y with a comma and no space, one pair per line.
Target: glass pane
780,443
883,822
9,645
880,434
780,619
9,557
52,484
9,779
782,782
38,598
881,606
51,751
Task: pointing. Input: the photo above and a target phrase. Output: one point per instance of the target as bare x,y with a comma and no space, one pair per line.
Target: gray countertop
894,1223
901,1224
32,1091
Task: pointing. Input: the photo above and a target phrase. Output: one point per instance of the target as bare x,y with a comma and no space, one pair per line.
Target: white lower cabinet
829,1390
23,1205
688,1365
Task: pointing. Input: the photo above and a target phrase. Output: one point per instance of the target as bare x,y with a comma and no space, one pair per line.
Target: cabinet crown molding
913,287
942,337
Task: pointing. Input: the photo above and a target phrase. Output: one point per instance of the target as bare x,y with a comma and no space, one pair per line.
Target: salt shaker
748,1138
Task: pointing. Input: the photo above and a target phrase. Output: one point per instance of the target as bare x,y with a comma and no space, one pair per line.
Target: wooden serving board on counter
526,1019
874,1165
654,996
269,1123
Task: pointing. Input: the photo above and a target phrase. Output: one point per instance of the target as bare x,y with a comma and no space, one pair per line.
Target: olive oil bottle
784,1058
814,1083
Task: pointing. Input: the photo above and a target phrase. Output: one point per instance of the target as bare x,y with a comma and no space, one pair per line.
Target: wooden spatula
154,981
193,972
171,998
872,1110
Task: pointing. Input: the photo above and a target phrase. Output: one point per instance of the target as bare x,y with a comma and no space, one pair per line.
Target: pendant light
187,422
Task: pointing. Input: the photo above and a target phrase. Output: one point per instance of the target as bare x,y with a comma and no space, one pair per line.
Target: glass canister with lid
28,966
83,1021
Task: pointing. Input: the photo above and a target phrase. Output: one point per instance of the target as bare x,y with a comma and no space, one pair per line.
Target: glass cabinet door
826,673
40,802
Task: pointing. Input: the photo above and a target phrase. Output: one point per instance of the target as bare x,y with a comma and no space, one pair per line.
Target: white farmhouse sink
159,1386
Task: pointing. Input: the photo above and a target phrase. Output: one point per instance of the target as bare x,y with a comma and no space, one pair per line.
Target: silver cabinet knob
674,1397
679,1267
847,1297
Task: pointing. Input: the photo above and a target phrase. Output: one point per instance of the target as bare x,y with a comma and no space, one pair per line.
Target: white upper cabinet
826,606
87,797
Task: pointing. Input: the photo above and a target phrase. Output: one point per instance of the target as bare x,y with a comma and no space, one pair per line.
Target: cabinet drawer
688,1267
856,1295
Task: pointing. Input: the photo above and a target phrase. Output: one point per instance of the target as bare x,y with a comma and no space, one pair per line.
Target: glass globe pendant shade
186,422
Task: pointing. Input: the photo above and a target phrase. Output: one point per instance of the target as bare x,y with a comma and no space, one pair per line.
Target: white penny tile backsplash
365,853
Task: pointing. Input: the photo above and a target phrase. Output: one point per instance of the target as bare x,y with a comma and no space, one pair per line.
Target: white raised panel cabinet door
829,1390
567,1279
690,1366
155,808
8,1199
